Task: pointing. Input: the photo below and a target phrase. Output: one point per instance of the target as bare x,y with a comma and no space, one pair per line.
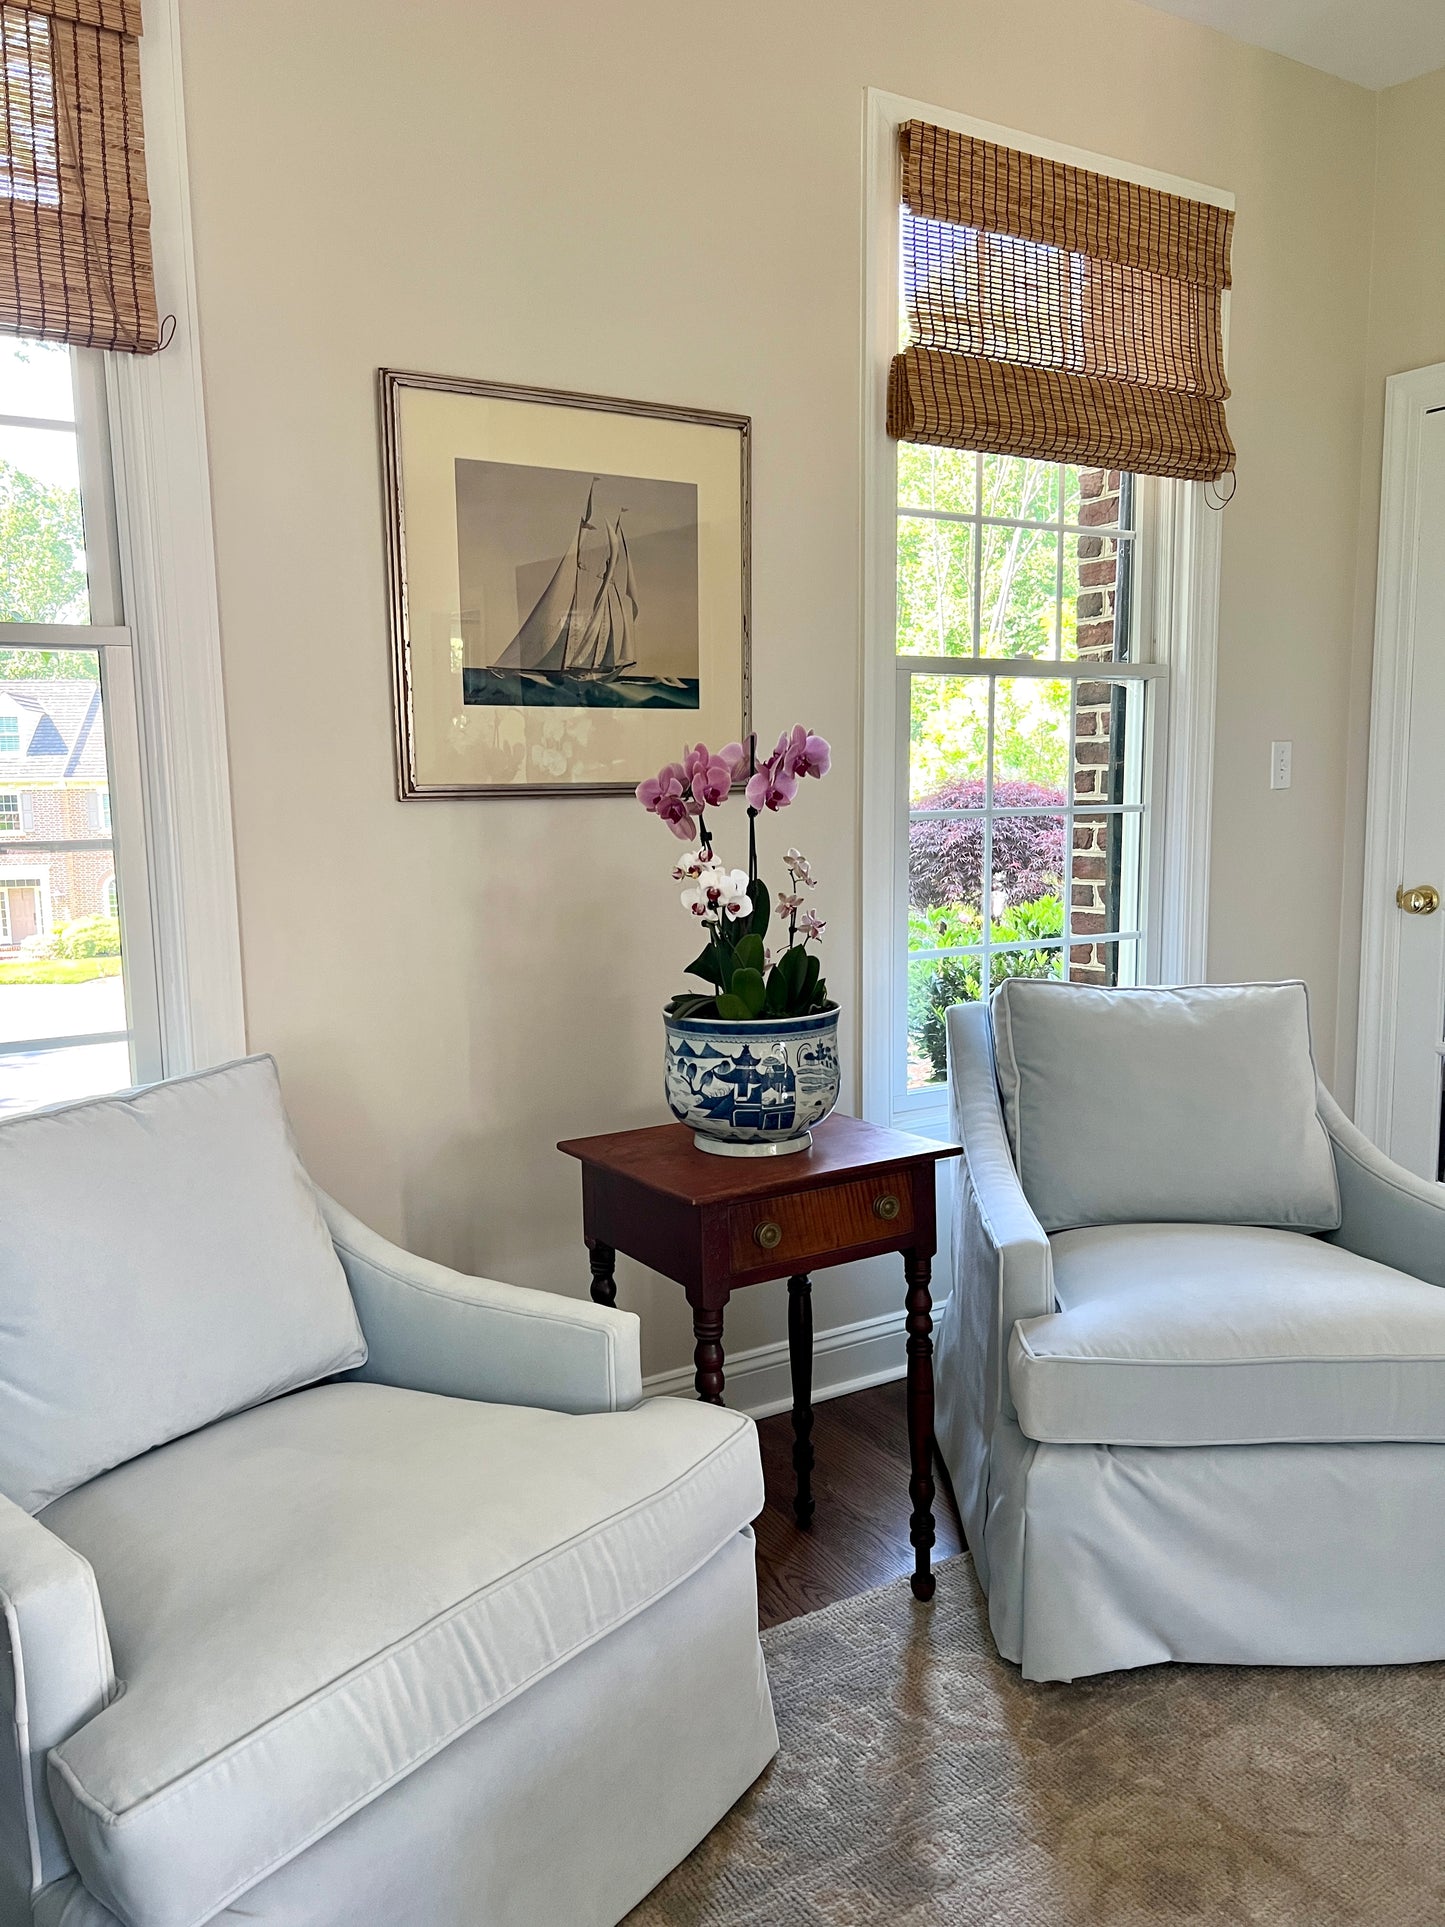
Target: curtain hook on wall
1216,501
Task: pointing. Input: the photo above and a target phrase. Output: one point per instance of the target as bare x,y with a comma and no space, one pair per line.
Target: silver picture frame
444,702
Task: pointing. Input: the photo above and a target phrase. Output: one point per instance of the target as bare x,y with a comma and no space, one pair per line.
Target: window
1026,782
78,1011
1038,700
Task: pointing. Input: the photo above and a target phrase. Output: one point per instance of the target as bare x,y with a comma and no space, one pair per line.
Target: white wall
663,200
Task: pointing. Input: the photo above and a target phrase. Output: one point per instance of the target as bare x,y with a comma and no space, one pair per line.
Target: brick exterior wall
1093,897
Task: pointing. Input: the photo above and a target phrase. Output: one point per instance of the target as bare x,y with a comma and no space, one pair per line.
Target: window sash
110,639
927,1106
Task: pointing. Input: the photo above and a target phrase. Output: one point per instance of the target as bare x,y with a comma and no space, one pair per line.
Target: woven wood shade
75,256
1059,314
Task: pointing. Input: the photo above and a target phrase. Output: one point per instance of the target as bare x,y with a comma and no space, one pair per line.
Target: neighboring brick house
1098,748
54,790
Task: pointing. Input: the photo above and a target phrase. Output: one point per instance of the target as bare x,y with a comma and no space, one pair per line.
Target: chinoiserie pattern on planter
752,1083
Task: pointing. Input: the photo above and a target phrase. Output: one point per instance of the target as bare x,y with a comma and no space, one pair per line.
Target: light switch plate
1281,758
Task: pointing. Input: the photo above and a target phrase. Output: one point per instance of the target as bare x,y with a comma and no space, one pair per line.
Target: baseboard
848,1358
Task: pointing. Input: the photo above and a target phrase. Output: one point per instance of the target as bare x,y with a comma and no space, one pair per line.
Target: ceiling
1377,43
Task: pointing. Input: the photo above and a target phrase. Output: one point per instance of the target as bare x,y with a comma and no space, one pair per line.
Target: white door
1403,994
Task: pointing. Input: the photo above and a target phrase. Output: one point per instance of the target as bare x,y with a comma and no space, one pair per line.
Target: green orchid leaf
775,1003
748,988
748,953
762,909
689,1004
706,966
733,1008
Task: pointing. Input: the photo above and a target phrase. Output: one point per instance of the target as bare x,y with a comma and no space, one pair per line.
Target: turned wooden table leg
918,1270
800,1361
603,1260
707,1356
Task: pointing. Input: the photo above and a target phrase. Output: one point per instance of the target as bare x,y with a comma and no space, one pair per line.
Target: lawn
40,970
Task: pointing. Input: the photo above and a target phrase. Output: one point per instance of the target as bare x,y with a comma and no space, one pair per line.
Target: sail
629,581
596,637
542,641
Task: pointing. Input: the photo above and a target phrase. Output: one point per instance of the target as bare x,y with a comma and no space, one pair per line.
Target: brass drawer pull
887,1206
769,1235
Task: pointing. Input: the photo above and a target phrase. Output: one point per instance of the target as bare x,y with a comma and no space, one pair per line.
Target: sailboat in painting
575,647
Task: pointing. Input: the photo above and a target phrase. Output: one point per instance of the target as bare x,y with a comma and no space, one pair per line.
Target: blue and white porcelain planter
750,1090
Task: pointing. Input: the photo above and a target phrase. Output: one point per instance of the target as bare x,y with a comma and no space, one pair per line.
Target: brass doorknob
1422,901
887,1206
769,1235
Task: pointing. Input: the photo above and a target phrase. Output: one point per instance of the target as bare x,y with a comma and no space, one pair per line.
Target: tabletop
663,1158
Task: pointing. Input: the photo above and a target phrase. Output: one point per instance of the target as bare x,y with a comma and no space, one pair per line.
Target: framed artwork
569,585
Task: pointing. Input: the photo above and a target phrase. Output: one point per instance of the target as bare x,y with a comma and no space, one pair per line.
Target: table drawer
813,1223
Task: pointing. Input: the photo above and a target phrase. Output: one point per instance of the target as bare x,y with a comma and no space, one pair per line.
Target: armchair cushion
309,1599
1173,1105
1200,1334
164,1263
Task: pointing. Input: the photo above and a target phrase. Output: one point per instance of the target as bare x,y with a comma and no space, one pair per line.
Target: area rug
922,1780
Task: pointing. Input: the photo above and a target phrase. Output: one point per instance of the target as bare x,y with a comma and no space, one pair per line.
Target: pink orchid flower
804,754
773,787
712,786
664,796
811,926
737,756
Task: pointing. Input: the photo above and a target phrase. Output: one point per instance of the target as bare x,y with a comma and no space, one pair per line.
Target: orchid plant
749,980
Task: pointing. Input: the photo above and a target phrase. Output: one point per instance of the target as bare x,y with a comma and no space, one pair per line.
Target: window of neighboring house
78,1011
112,897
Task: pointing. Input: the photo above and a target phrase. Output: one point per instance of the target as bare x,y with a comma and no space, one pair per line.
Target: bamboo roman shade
1058,313
75,256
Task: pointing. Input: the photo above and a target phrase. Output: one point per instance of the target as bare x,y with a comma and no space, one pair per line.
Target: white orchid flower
719,893
700,901
734,899
799,868
691,866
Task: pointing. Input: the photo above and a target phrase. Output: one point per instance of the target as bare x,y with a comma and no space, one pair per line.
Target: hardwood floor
859,1535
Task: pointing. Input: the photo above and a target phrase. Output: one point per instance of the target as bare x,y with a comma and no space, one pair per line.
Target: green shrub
958,980
89,937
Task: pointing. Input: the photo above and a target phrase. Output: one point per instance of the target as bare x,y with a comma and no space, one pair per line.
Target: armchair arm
1386,1212
59,1675
1002,1259
435,1330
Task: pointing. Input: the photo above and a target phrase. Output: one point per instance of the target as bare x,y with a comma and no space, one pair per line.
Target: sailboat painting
577,591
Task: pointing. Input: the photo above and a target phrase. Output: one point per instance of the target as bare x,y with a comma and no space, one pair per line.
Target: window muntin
78,1013
1029,719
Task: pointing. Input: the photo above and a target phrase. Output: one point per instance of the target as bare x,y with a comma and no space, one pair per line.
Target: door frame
1409,398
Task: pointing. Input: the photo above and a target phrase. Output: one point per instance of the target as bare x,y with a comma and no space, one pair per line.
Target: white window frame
13,749
1177,625
161,664
18,826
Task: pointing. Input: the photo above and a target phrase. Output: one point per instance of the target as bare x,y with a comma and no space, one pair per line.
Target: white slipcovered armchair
1191,1377
338,1588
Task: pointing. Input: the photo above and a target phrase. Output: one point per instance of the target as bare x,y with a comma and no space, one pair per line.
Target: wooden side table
716,1224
